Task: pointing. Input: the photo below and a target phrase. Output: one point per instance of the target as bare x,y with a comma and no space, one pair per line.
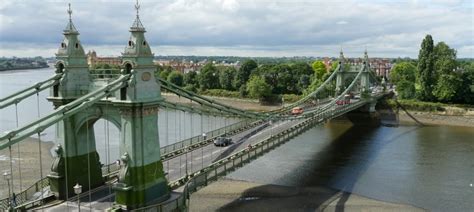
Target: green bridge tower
133,110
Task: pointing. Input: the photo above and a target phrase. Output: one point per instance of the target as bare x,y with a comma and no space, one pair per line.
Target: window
144,43
77,45
130,43
63,45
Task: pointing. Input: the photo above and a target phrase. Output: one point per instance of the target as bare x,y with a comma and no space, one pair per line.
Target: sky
258,28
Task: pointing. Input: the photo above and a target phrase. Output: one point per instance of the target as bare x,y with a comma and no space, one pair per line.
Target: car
296,111
222,141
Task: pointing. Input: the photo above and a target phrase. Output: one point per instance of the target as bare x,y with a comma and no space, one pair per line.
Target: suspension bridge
148,176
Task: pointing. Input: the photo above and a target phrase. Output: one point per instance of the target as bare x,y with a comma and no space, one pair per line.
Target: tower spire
137,7
70,28
137,25
69,11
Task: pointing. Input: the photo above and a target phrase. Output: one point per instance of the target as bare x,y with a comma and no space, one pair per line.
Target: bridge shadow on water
341,163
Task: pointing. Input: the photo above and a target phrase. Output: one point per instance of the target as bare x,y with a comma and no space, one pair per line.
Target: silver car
222,141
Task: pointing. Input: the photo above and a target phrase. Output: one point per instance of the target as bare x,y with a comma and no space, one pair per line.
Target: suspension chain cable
19,151
202,135
192,135
88,167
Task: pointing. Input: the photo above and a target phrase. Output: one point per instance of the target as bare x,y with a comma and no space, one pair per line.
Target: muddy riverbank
234,195
29,162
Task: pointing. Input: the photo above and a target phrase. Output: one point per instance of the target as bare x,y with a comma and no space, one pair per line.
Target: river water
430,167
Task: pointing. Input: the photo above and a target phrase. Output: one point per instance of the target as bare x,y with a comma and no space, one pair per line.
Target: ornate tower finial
137,24
137,7
69,11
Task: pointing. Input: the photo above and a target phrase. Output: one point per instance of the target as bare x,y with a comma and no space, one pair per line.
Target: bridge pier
141,179
366,115
77,163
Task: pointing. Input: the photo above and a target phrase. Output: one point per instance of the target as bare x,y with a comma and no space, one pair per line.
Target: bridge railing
25,195
28,195
199,140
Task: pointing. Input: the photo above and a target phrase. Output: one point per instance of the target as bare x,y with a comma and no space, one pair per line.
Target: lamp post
77,191
7,177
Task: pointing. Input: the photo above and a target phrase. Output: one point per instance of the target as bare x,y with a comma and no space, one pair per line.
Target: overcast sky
387,28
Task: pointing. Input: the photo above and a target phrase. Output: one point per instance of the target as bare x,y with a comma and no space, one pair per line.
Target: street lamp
7,177
77,191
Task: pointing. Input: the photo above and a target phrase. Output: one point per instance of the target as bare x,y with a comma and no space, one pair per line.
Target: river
431,167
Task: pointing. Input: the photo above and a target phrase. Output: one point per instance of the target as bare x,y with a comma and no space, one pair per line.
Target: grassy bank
287,98
415,105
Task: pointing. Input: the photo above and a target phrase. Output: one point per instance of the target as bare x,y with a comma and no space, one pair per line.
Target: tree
225,78
191,78
403,71
258,88
465,93
445,59
319,69
447,86
426,68
164,74
244,72
208,78
406,89
304,82
176,78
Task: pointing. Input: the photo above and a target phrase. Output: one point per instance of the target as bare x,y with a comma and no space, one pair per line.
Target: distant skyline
262,28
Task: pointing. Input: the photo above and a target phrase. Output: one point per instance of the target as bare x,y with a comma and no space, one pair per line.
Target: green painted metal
18,96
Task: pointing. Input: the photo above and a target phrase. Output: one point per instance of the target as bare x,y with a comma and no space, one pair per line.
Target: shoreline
29,162
236,195
438,119
453,117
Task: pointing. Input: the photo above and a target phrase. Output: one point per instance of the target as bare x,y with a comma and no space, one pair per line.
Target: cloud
342,22
387,28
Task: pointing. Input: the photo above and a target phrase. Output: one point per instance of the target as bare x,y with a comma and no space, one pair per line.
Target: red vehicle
296,111
345,101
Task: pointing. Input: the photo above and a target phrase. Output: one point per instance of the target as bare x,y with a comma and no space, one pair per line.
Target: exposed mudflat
232,195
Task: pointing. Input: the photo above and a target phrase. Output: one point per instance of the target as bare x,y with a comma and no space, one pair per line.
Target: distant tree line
436,76
22,63
267,82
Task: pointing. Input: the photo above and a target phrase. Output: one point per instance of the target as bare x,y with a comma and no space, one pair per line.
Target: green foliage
208,77
445,59
258,88
243,91
314,85
406,89
319,69
304,83
290,98
164,74
243,74
426,73
465,93
403,71
191,78
220,92
176,78
403,75
447,86
191,87
226,77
